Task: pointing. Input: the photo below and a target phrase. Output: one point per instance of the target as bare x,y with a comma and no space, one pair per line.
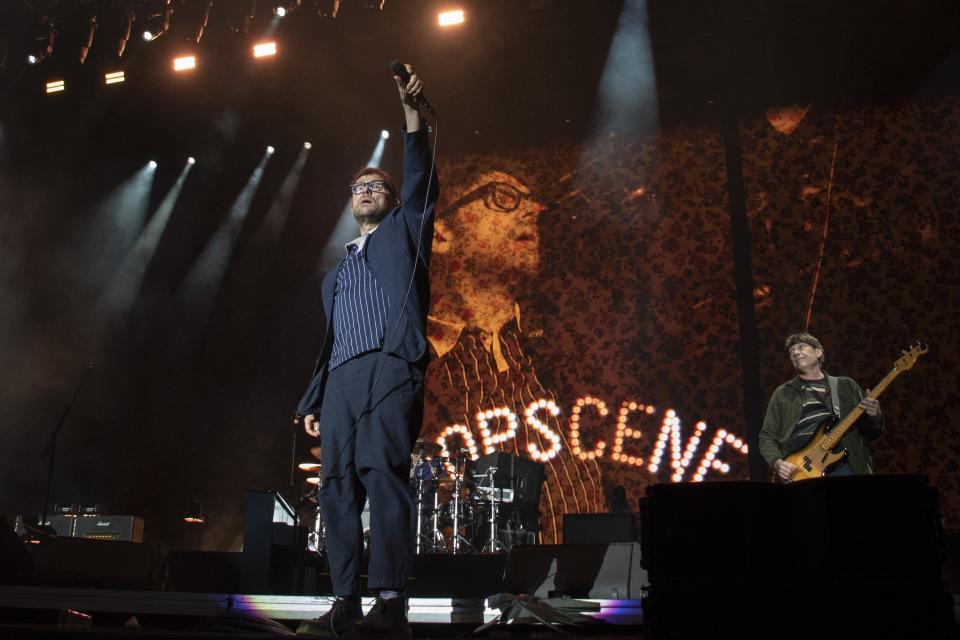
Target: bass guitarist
798,407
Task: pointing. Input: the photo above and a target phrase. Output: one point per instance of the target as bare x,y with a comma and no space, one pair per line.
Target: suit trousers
371,414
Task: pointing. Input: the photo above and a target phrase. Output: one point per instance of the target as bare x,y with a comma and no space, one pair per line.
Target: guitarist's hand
784,470
870,406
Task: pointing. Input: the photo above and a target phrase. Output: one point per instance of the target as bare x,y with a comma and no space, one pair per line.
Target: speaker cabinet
575,570
599,528
127,528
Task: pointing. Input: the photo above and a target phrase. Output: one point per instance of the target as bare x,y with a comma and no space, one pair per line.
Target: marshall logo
103,523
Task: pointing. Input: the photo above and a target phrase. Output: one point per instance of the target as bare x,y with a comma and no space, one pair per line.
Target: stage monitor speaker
126,528
205,571
599,528
70,562
575,570
14,560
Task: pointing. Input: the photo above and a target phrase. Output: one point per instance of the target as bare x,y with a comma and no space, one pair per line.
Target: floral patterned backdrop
584,310
883,184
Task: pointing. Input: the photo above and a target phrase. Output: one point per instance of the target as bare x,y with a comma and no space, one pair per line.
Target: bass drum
466,537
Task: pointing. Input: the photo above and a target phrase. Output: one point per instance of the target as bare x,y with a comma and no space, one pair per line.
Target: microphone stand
51,448
294,423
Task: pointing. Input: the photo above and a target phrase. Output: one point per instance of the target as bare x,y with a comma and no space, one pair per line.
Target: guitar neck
841,428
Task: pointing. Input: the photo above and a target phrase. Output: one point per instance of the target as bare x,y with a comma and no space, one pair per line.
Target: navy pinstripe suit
373,461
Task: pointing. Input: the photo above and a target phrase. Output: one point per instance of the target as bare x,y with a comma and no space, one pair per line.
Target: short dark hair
392,190
805,338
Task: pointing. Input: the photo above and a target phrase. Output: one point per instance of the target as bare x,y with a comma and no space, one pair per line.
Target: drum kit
455,510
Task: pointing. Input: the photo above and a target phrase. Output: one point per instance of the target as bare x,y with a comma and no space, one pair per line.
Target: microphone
401,72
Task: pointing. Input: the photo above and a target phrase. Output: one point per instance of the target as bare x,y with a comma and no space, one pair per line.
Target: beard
369,213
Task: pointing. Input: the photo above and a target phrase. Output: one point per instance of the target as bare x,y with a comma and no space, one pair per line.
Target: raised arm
420,190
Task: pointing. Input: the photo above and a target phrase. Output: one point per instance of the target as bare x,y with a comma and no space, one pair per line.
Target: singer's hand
410,90
311,425
408,98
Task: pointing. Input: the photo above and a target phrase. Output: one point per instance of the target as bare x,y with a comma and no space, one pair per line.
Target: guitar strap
834,395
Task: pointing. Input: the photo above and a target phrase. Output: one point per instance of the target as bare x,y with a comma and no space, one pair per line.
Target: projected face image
483,382
493,226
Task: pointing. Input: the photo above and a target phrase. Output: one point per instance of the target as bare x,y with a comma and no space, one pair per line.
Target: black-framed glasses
374,186
499,196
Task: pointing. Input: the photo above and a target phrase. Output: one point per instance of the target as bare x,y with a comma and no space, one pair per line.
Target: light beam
123,287
208,271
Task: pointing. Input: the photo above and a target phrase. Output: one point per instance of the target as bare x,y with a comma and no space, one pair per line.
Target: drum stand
457,486
493,545
319,539
418,543
431,541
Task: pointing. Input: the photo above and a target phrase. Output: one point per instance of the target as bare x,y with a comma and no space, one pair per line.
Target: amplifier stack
87,521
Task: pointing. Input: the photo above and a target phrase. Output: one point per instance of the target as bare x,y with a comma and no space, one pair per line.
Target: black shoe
387,619
335,622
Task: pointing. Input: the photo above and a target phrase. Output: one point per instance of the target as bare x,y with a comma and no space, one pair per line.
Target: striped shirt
360,307
814,411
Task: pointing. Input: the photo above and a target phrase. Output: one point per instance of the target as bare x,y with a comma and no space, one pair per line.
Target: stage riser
835,557
798,612
844,529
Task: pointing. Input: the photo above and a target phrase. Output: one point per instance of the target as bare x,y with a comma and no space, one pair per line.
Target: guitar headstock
907,360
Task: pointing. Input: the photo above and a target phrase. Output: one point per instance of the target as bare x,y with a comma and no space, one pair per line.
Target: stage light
91,32
448,18
307,145
203,22
384,134
191,160
280,12
127,30
184,63
196,514
328,8
270,150
55,86
152,164
50,36
114,77
159,23
264,49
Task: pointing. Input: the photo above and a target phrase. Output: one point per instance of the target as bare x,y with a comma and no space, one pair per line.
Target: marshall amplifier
128,528
63,525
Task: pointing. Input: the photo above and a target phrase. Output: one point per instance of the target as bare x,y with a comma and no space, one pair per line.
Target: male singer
365,400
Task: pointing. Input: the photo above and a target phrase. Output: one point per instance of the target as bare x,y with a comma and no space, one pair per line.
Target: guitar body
814,459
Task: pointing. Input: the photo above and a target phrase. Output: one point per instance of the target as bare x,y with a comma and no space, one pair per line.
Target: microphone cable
366,409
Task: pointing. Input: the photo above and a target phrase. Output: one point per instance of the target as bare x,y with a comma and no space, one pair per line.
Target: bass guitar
819,454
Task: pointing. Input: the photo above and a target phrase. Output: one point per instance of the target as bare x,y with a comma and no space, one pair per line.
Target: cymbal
426,448
315,452
310,467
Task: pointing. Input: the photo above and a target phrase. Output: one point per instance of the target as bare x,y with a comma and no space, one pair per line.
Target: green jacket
783,412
